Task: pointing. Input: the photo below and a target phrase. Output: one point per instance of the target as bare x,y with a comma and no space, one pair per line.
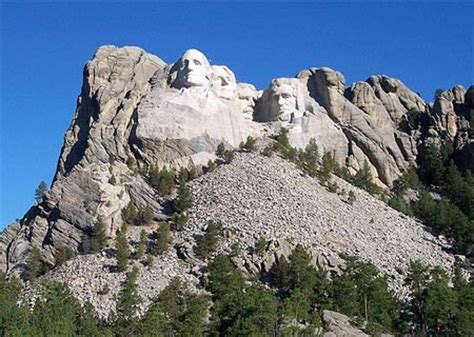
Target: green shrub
211,166
267,151
260,246
351,197
220,150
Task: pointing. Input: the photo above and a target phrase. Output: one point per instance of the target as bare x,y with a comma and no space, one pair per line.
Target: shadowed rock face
135,110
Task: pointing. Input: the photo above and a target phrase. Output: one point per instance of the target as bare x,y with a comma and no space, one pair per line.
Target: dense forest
287,302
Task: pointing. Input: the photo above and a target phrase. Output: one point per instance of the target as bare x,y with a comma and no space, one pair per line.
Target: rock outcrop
134,111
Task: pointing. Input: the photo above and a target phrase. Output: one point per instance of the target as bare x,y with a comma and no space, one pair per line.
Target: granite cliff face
134,111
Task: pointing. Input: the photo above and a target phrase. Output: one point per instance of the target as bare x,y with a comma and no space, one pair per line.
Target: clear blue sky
44,47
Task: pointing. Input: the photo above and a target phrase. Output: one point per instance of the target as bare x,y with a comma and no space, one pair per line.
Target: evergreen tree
34,264
257,314
210,239
98,238
440,304
328,165
129,213
56,311
344,295
123,250
280,273
224,277
184,199
409,179
363,179
161,180
463,322
142,244
162,238
282,139
62,255
88,324
352,197
226,284
127,305
41,191
431,165
180,220
311,156
183,175
228,156
14,320
398,202
417,280
260,246
175,312
145,216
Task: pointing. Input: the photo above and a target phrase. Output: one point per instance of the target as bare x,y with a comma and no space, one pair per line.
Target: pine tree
210,239
162,238
127,305
129,213
128,298
34,263
145,216
184,199
41,191
363,179
175,312
15,320
417,281
162,180
56,313
310,156
328,165
142,244
281,273
440,304
179,220
123,250
62,255
98,239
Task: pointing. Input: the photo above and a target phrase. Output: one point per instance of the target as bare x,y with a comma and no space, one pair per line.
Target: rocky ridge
134,110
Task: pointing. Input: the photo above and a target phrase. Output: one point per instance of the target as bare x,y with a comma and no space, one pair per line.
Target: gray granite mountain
134,110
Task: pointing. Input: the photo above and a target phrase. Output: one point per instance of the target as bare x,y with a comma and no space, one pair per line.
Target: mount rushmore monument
134,110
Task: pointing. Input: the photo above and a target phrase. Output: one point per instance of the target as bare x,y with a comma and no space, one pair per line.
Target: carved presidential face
284,98
193,69
223,82
247,97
